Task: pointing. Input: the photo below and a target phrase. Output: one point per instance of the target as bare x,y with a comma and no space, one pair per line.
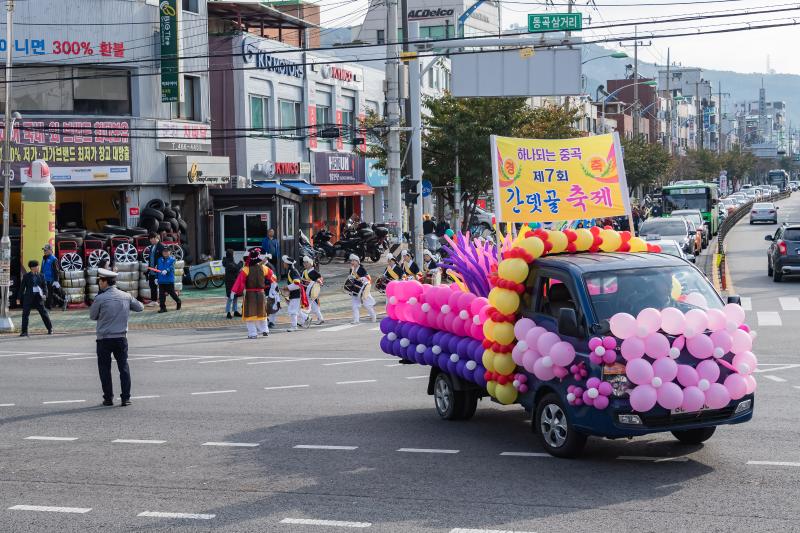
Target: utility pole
636,83
719,117
393,111
415,105
698,115
5,243
668,136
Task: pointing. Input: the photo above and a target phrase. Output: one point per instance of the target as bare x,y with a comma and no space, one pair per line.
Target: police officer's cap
106,274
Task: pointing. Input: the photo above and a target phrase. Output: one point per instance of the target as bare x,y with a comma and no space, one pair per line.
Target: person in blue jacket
49,273
166,280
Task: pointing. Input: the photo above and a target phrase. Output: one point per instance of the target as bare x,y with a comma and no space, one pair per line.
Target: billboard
337,168
168,33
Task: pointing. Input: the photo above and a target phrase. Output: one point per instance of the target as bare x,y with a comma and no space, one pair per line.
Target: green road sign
168,30
540,23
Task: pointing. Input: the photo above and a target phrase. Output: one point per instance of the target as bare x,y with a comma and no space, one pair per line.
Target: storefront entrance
241,231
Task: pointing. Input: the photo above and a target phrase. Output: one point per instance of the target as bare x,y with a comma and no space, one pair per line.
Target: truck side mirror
735,299
768,237
568,323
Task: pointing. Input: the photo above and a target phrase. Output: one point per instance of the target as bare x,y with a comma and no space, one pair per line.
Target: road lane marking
213,392
354,362
375,329
417,377
281,387
278,361
188,516
48,509
463,530
323,447
356,381
679,459
176,360
426,450
769,318
330,523
525,454
775,378
340,327
138,441
145,397
747,303
80,358
790,303
226,360
773,463
7,405
55,356
63,401
232,444
15,354
777,365
40,437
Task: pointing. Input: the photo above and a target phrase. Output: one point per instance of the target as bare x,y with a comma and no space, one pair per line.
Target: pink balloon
751,384
562,353
464,300
391,310
609,343
452,299
700,346
532,338
687,376
672,321
560,372
623,325
736,385
529,358
391,288
632,348
742,341
601,402
670,395
639,371
656,345
666,369
717,396
745,362
595,342
610,357
696,322
643,398
693,399
708,370
458,327
476,305
717,321
734,313
722,339
542,372
605,388
546,342
448,321
476,332
696,299
517,353
648,321
522,327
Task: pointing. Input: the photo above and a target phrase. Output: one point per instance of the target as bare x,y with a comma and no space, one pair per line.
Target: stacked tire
179,267
128,277
73,283
92,289
157,216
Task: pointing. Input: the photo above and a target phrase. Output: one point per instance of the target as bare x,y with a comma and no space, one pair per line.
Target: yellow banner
544,180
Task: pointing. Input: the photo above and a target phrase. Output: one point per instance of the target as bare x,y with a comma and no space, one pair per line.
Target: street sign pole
6,325
415,101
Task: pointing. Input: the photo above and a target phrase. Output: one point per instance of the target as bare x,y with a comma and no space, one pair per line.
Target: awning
326,191
301,187
271,185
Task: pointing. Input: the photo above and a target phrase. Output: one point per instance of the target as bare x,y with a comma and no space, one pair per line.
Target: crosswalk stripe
189,516
790,303
340,327
49,509
769,318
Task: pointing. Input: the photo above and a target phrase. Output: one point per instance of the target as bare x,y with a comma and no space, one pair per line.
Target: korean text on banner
542,180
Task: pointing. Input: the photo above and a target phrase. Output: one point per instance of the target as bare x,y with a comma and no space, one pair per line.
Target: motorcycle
308,250
322,243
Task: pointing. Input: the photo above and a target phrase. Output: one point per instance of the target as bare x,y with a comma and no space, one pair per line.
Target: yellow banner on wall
543,180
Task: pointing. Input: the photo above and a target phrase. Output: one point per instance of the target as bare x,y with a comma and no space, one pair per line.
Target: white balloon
516,383
523,346
454,357
753,334
719,352
593,393
656,383
426,307
600,350
463,315
674,353
436,349
471,365
743,368
404,342
412,301
547,361
476,320
445,309
391,336
703,385
421,348
393,300
570,397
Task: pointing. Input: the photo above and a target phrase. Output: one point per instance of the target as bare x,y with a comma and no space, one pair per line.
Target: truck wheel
694,436
554,429
449,402
470,405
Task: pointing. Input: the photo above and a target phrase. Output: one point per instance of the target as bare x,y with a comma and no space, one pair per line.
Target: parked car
673,228
764,212
697,219
783,255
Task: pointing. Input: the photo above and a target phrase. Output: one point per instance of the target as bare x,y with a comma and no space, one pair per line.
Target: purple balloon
452,344
451,367
462,348
437,337
461,369
386,345
478,376
404,329
477,352
442,361
396,348
387,325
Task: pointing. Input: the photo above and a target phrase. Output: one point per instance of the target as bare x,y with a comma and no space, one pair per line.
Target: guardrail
729,223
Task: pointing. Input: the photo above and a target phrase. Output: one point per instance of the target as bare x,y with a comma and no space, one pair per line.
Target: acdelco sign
265,61
429,13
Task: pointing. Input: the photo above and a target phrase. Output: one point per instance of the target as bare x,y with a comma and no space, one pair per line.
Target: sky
746,51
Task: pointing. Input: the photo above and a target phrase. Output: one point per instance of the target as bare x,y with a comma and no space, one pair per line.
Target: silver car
670,247
764,212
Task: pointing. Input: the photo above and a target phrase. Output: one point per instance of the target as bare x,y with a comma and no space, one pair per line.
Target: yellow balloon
558,240
611,240
504,332
504,300
515,270
677,288
504,364
505,394
488,329
534,246
584,240
491,388
637,245
488,360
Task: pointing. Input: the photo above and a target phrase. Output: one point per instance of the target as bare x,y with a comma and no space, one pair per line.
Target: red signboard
339,140
287,168
133,211
312,126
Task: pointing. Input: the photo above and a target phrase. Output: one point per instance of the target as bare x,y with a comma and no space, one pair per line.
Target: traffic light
410,189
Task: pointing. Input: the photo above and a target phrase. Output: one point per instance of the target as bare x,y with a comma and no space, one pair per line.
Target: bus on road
779,178
693,194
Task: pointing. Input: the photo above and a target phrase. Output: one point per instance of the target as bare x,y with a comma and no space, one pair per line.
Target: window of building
323,115
259,113
291,116
348,118
101,92
381,36
436,32
190,106
430,78
191,5
287,222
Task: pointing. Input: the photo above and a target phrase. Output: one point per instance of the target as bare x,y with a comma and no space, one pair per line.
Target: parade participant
430,267
357,271
393,270
253,280
33,293
166,280
410,268
313,282
232,269
49,272
296,295
155,253
111,309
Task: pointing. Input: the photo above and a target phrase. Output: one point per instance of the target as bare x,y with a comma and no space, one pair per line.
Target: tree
737,163
645,163
551,122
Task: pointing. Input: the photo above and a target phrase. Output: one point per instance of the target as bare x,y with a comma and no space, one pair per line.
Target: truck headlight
743,406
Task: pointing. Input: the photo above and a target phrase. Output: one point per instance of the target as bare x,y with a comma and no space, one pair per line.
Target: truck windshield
631,290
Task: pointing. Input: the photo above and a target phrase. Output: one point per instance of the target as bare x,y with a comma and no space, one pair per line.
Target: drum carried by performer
431,273
393,272
358,285
297,296
252,281
312,281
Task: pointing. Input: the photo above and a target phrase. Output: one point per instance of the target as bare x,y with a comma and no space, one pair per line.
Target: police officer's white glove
56,285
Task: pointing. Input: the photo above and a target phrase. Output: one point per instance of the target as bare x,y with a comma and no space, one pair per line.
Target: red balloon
625,235
594,230
571,248
571,235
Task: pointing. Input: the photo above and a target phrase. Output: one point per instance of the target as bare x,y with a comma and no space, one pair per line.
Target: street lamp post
649,83
5,243
615,55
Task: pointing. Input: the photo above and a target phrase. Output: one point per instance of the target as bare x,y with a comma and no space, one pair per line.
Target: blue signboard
427,188
375,176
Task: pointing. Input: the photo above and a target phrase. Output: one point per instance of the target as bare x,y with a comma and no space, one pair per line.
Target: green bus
693,194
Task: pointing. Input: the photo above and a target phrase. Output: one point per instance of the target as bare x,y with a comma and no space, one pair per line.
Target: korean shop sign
168,31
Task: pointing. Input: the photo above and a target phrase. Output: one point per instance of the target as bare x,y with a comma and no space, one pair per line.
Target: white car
670,247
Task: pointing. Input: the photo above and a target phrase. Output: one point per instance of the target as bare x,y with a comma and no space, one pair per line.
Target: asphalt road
317,431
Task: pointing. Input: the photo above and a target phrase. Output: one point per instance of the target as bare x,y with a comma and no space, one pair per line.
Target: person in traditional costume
430,268
297,296
313,283
252,281
393,271
273,296
363,297
410,268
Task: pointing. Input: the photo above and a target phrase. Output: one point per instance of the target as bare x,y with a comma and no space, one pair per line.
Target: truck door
552,292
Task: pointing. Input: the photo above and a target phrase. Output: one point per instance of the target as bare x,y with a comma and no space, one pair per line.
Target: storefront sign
375,176
568,179
305,167
77,150
133,211
265,61
198,170
429,13
337,168
168,32
337,73
183,136
84,47
283,169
